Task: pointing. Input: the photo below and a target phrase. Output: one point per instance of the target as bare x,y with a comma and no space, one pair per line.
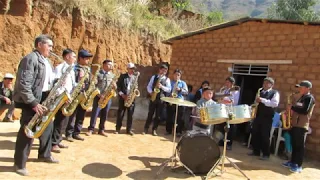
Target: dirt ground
124,157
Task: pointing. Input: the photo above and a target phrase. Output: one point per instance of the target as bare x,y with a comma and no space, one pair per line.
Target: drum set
197,151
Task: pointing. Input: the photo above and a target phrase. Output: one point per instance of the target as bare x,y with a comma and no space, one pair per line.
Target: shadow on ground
100,170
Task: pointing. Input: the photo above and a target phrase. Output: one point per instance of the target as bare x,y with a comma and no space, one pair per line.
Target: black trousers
24,144
121,111
297,141
154,107
58,122
261,135
77,117
171,111
95,113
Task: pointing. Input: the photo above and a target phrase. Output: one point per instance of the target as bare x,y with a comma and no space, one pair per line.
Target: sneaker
154,133
22,172
55,149
264,158
295,168
102,133
117,132
145,131
287,164
78,137
130,133
69,138
89,133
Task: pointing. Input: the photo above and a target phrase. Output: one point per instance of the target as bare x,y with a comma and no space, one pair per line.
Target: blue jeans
95,112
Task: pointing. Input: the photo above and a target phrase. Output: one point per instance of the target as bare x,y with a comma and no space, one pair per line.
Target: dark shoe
22,172
7,120
102,133
264,158
117,132
63,146
179,134
253,154
154,133
78,137
229,148
145,131
49,160
89,133
69,138
287,164
55,149
167,133
130,133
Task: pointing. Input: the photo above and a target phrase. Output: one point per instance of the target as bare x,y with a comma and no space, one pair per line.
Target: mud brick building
251,49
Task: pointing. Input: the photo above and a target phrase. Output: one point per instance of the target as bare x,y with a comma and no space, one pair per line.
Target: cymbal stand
174,154
224,157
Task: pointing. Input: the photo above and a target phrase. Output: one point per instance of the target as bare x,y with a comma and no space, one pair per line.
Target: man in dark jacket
34,81
6,101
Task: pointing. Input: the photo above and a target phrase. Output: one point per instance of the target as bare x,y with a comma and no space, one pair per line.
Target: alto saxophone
76,96
108,93
174,93
134,92
286,115
92,91
53,103
156,90
254,107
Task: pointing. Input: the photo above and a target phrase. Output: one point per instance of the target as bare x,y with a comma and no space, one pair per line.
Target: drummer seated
206,100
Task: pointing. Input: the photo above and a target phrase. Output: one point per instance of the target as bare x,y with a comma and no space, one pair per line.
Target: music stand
224,157
177,102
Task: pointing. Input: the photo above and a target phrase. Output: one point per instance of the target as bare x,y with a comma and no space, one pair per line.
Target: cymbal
178,101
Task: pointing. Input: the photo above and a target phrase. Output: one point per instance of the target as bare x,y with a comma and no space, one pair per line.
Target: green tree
181,4
300,10
214,17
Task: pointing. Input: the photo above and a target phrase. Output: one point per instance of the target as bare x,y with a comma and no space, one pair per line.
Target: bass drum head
198,152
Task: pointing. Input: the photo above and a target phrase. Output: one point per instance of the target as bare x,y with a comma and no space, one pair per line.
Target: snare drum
198,151
213,114
242,114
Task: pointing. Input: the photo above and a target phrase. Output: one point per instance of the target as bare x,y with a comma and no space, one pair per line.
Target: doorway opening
250,79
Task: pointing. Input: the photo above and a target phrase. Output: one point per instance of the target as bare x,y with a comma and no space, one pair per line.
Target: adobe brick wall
197,56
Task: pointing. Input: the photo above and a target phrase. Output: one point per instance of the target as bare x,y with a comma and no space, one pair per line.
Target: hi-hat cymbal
178,101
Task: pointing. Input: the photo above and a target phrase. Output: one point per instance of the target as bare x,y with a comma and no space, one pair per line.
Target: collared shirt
182,85
273,102
70,81
130,81
166,88
49,76
6,91
234,96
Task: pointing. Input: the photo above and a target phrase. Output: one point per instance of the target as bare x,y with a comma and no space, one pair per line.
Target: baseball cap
304,83
269,79
131,65
8,76
84,53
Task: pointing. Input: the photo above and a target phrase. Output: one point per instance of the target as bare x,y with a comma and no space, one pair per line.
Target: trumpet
220,95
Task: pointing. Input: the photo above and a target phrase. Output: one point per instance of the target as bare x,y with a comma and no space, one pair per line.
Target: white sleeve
149,87
235,97
167,87
274,102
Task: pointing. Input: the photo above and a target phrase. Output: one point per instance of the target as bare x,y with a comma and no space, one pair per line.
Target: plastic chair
275,124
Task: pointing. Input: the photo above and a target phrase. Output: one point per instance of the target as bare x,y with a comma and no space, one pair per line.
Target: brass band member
268,100
301,113
162,84
31,88
179,89
105,77
6,101
73,131
206,100
232,100
198,94
69,59
124,85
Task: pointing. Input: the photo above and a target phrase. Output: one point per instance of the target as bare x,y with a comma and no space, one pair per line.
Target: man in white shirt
69,59
268,100
161,82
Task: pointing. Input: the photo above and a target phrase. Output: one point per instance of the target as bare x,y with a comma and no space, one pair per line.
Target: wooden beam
237,61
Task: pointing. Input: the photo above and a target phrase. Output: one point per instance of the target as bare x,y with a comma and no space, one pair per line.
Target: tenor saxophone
286,115
156,90
92,91
53,103
134,92
76,96
254,107
108,93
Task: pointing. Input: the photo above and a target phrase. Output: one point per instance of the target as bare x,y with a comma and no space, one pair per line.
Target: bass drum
198,151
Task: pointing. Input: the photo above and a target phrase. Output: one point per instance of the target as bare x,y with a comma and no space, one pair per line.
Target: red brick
277,49
308,42
270,38
285,43
297,42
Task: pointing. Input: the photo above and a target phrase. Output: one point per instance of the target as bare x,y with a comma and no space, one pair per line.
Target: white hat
130,65
8,76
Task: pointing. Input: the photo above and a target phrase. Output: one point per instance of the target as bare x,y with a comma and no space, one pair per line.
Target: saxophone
108,93
254,107
76,96
92,91
134,92
156,90
53,103
174,93
286,115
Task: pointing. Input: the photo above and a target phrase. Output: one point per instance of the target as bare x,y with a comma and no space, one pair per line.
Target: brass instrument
134,92
92,91
53,103
286,115
221,94
156,90
174,93
76,96
254,107
108,92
